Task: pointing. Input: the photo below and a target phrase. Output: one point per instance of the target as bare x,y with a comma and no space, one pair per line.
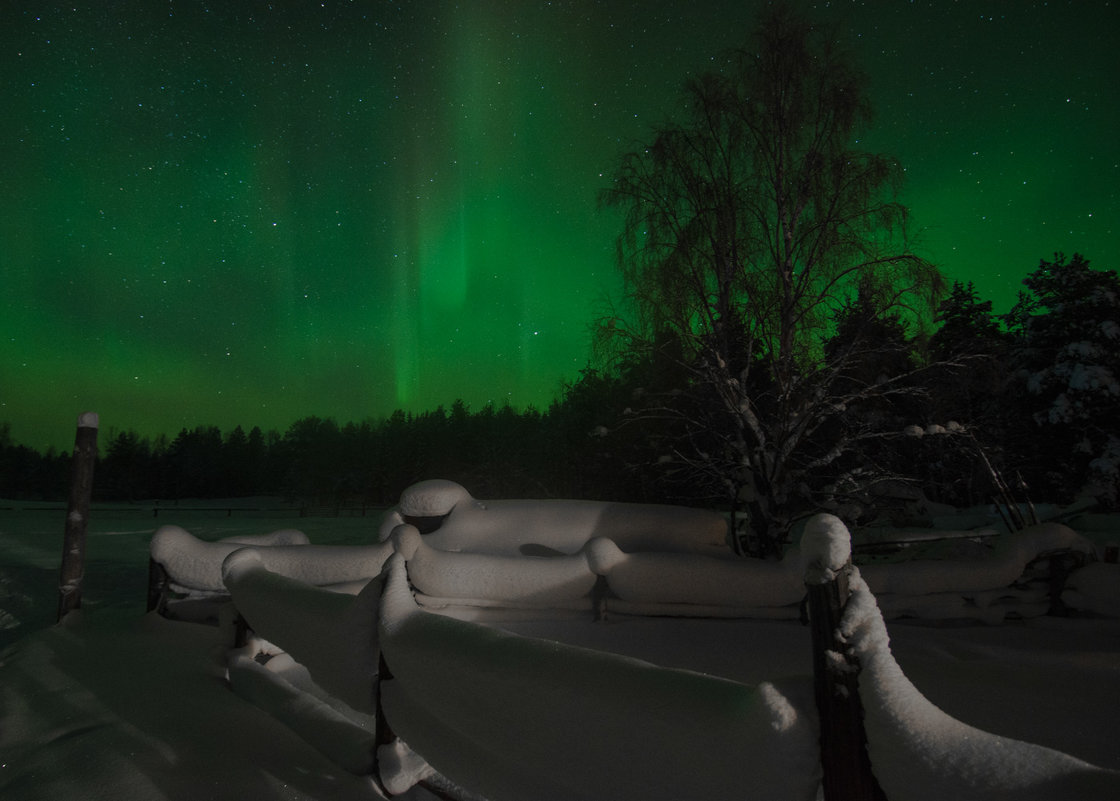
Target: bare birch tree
747,228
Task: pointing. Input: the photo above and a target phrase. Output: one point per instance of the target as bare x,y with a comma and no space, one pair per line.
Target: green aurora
243,214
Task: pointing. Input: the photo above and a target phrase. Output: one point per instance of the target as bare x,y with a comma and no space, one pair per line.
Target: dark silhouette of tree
309,452
1067,361
195,461
236,468
26,474
967,385
125,472
968,327
746,228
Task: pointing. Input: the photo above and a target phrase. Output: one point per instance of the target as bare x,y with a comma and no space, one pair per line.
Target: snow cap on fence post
826,546
406,540
603,555
238,563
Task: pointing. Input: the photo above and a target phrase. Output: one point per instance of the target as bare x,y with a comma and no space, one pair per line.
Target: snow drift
194,566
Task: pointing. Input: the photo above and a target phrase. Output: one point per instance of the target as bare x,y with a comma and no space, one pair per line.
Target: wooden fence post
157,585
845,763
77,515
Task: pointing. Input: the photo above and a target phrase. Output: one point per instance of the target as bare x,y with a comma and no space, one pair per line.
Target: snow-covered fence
506,716
516,717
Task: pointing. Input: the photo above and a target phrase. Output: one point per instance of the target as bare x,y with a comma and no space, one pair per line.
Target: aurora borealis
241,213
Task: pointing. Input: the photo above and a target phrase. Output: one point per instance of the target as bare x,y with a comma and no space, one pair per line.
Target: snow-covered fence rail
516,717
698,584
451,519
986,588
509,717
448,578
185,571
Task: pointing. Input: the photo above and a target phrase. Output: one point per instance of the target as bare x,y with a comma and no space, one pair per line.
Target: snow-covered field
118,704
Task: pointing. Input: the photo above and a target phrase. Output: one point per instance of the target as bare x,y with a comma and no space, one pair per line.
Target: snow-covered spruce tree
1067,359
747,226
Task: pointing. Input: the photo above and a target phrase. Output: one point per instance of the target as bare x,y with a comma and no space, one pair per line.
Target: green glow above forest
242,218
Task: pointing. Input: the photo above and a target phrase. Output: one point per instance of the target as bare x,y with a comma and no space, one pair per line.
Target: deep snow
118,704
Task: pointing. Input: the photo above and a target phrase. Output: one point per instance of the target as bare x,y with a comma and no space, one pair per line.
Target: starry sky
244,213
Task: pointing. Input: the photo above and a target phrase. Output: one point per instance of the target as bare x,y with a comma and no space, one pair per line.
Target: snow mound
194,564
509,716
919,753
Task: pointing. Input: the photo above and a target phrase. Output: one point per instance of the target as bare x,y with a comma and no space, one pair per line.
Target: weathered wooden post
77,515
826,549
157,583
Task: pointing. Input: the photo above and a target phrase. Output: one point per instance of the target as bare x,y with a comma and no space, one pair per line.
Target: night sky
241,213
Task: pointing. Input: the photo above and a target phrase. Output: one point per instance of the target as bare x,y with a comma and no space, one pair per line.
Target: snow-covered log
516,527
514,717
919,753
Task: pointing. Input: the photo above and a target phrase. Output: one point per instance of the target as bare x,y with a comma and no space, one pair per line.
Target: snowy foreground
118,704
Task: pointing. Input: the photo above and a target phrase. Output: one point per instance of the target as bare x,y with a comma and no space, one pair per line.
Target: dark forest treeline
494,452
1036,392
